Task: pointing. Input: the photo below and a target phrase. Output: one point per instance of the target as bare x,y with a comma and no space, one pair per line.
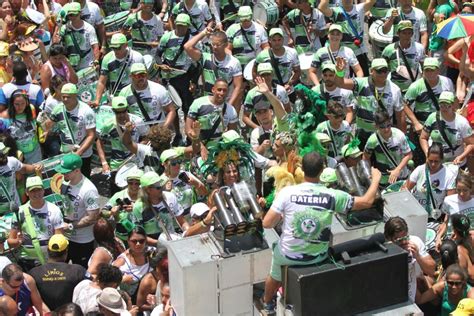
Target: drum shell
152,67
378,39
266,12
87,84
114,22
345,179
223,214
237,215
305,63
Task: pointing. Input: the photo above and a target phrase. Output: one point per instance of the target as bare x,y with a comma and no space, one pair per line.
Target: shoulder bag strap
122,71
374,92
181,48
74,42
405,61
275,66
331,135
246,38
66,120
140,26
324,93
430,201
30,228
443,132
218,121
386,151
431,94
183,7
140,105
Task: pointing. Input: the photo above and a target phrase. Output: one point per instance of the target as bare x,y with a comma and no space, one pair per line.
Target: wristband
340,74
203,224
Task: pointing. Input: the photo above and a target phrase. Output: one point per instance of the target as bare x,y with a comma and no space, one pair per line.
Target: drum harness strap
429,194
246,38
30,229
122,71
405,61
181,48
274,63
140,105
208,135
386,151
66,120
331,135
358,35
438,117
81,54
140,25
182,6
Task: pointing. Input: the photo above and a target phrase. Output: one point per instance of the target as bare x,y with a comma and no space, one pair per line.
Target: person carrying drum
90,13
112,132
407,11
37,221
304,26
79,38
147,99
145,28
255,99
330,52
329,91
115,68
351,19
198,11
246,38
373,93
75,122
404,57
218,65
171,52
284,60
82,208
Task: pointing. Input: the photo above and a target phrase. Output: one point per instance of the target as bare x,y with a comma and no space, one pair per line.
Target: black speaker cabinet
372,280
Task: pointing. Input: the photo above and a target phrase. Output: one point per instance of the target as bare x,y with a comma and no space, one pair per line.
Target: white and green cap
328,66
69,88
264,68
431,63
328,176
352,152
404,25
275,31
183,19
34,183
245,12
151,178
135,173
117,40
74,7
119,103
168,154
138,68
335,27
230,136
379,63
446,97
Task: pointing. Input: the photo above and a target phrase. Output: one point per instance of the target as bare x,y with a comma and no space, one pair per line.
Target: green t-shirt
111,68
144,31
436,42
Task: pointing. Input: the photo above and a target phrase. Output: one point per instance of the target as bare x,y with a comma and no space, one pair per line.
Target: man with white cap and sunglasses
202,219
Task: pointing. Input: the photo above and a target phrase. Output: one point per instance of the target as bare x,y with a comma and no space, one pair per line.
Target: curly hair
160,138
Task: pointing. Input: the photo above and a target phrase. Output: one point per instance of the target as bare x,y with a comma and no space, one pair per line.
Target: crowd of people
173,102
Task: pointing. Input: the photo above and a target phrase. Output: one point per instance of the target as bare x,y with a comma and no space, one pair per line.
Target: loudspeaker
372,280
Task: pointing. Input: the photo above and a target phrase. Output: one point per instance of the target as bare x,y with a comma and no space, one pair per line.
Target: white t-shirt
343,96
441,182
83,198
414,269
90,39
85,295
8,183
417,18
453,205
91,14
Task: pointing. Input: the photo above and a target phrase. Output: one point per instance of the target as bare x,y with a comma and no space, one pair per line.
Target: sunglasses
136,241
381,70
445,105
133,182
156,187
385,125
139,75
455,283
399,240
73,14
175,162
119,111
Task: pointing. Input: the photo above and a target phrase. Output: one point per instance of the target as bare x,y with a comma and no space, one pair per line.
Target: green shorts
279,260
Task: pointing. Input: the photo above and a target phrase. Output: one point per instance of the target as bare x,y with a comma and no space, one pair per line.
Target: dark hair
56,82
137,230
105,237
335,108
57,49
58,254
313,164
437,149
393,226
68,309
461,224
465,178
107,273
220,175
220,80
457,269
381,117
19,93
160,260
222,36
9,142
20,71
449,253
12,271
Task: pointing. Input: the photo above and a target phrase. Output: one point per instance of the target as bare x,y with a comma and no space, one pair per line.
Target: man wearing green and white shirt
75,123
81,208
145,28
307,211
373,93
115,68
390,147
147,99
414,54
199,12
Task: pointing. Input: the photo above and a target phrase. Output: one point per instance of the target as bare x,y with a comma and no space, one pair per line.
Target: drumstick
147,43
170,68
229,17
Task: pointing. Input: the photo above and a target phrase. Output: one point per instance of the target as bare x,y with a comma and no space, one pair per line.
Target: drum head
248,70
430,238
377,35
305,60
174,96
122,173
260,14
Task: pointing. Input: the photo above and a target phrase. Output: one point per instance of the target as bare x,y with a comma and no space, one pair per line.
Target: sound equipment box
372,280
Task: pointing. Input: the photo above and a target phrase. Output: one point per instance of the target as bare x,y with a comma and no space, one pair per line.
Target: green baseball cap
168,154
134,173
275,31
69,88
230,136
264,68
431,63
446,97
379,63
183,19
148,1
117,40
119,103
138,68
328,66
352,152
151,178
74,7
34,183
245,12
68,163
328,176
404,25
4,149
335,27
